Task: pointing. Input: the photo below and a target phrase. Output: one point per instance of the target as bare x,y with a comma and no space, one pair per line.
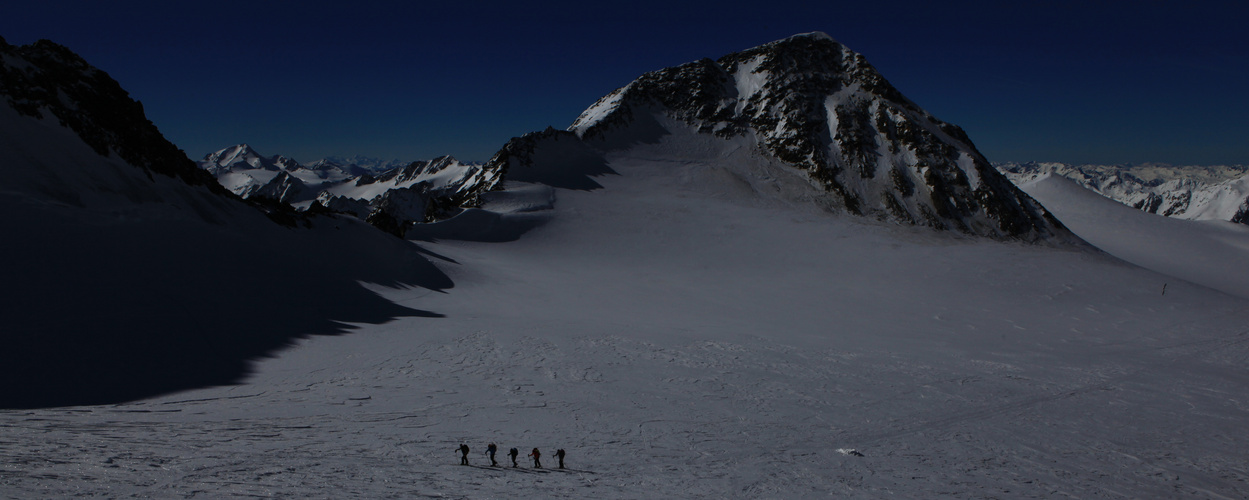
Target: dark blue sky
1050,81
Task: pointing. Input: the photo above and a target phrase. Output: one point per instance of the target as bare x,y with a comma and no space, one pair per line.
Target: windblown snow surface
1214,253
698,329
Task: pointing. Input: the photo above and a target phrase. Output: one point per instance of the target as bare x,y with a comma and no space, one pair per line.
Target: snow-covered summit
810,103
247,173
818,35
242,156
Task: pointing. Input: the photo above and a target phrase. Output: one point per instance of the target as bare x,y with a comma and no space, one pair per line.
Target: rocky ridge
45,78
815,105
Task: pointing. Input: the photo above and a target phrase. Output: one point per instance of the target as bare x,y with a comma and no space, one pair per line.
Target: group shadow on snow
103,315
528,470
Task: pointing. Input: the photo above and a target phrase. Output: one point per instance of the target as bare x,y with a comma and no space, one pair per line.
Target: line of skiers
513,453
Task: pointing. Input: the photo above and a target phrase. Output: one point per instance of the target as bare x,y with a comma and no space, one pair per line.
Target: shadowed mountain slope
126,268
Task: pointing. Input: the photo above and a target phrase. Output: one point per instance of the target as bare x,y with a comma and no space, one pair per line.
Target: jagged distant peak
237,150
417,170
286,163
233,154
284,188
244,156
442,162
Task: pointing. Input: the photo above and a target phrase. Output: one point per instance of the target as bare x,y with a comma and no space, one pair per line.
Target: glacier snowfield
683,337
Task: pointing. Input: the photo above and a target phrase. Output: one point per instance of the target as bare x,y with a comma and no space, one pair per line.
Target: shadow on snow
106,313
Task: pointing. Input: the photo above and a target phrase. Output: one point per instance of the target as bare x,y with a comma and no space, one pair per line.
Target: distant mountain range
1184,192
388,194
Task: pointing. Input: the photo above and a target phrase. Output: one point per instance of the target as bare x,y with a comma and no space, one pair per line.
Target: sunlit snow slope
1214,253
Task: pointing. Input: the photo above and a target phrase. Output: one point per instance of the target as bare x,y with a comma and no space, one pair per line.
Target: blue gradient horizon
1121,82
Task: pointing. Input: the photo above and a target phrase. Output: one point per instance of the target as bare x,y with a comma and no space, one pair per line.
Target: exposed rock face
45,80
1242,213
557,158
814,104
284,187
342,204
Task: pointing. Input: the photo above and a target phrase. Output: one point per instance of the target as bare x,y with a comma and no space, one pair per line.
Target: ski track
990,431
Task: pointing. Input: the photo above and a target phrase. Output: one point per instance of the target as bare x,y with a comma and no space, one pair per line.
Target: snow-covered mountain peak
243,149
811,103
286,163
241,156
819,35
